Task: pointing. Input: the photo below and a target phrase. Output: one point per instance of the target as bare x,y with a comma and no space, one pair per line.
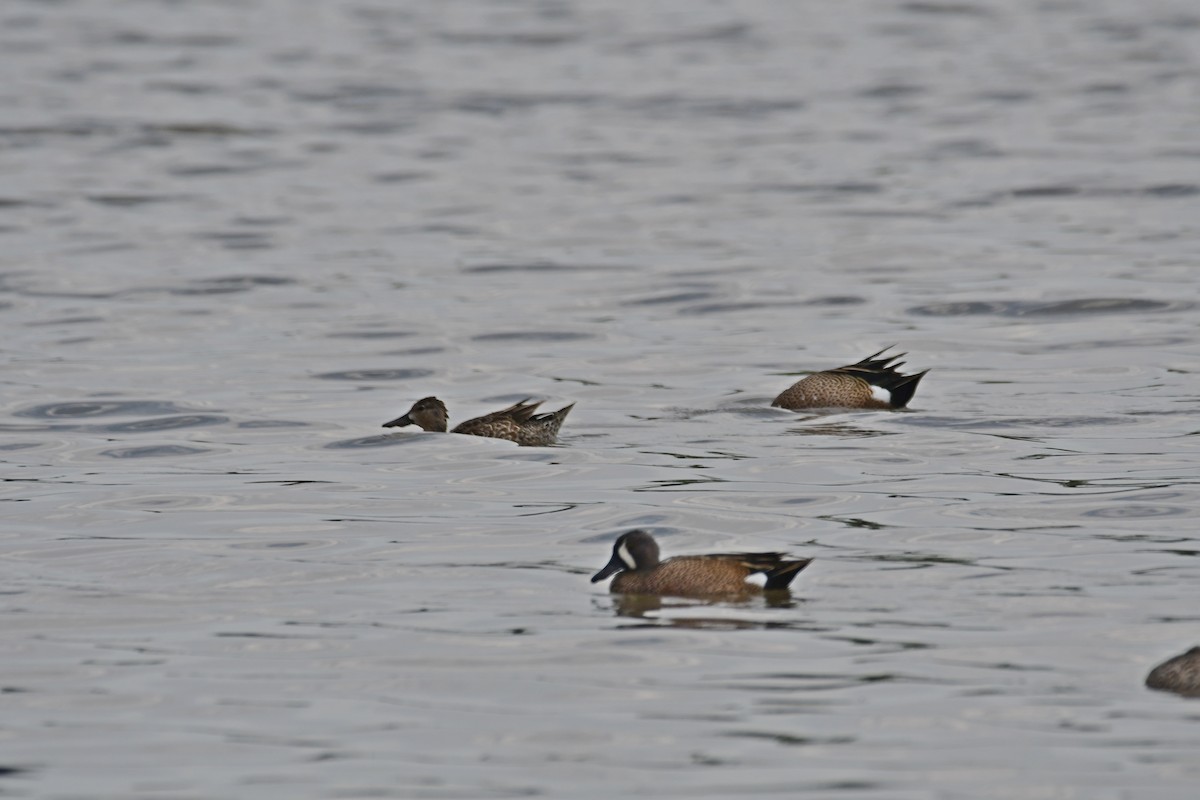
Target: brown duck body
1180,674
639,570
518,423
871,383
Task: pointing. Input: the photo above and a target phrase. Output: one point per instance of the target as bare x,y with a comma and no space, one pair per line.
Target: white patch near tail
881,394
624,554
758,579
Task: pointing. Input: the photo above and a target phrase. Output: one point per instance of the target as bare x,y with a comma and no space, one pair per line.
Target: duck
1180,674
874,383
635,561
518,423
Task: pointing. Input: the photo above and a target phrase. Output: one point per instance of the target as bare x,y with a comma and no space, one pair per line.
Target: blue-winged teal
871,383
635,559
1180,674
517,423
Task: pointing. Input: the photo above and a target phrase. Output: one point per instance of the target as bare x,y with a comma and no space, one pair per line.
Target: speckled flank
517,423
690,576
829,390
864,384
1180,674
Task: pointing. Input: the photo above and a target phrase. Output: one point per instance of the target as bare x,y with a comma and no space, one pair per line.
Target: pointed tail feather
903,391
782,575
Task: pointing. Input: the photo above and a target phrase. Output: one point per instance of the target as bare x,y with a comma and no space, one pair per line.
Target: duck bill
614,565
399,422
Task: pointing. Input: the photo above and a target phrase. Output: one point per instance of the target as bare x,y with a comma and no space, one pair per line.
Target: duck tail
782,575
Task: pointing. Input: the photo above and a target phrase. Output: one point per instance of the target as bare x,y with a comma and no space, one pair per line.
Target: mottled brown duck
873,382
518,423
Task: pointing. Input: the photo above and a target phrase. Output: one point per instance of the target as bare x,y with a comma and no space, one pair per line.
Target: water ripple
1136,511
232,283
375,375
1019,308
544,266
380,440
165,423
533,336
100,408
154,451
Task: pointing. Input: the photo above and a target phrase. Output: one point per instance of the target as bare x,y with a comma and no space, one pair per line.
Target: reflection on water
717,613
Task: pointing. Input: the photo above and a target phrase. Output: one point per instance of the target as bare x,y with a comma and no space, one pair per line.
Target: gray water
237,237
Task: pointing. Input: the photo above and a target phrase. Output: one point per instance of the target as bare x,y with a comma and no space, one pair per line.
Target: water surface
238,238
